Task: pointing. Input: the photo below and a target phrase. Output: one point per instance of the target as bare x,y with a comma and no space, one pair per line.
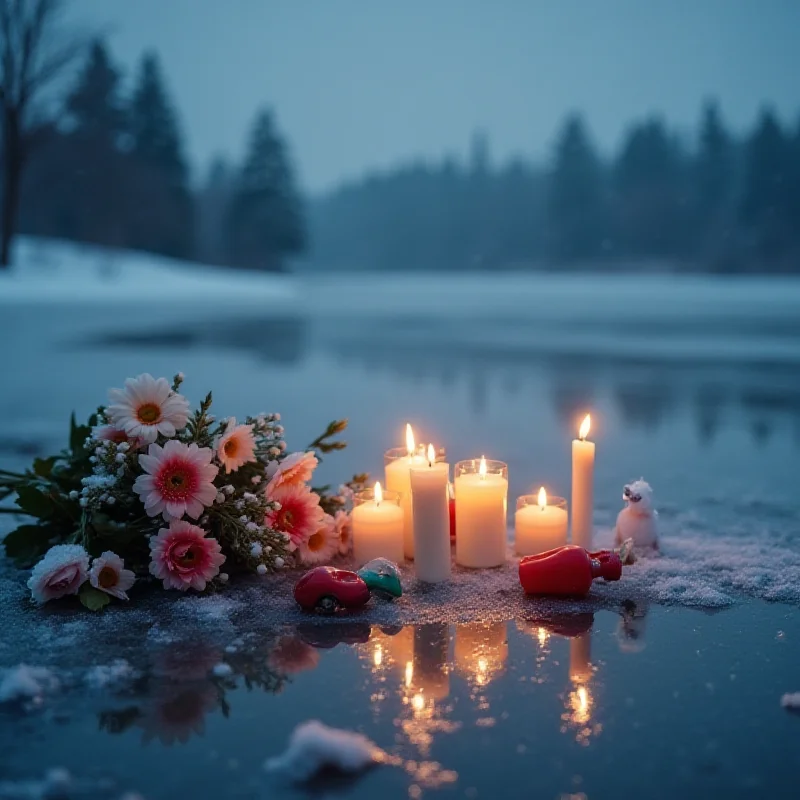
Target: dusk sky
362,84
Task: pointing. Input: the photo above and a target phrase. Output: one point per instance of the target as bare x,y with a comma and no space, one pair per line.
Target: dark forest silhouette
109,168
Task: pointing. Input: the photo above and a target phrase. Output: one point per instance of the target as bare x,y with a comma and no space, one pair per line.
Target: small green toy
382,576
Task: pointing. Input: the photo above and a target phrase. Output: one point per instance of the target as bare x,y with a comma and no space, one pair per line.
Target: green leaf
28,543
93,598
77,434
34,502
43,467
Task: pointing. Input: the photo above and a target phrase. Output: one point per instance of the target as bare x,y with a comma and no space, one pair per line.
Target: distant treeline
715,203
112,171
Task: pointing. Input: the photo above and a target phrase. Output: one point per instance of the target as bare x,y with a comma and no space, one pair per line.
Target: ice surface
26,683
314,746
54,786
695,569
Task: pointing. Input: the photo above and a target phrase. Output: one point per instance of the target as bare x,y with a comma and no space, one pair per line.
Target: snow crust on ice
314,746
26,683
222,670
791,701
117,673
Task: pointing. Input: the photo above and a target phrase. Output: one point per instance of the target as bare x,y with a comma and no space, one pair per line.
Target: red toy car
329,589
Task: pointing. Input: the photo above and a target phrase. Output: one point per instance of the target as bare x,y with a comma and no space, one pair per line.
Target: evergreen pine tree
713,178
265,221
652,206
577,209
164,214
765,208
89,202
714,164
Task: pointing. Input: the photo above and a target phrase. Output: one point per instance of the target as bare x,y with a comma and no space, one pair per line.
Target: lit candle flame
377,655
584,429
409,672
482,468
542,498
431,455
409,439
378,493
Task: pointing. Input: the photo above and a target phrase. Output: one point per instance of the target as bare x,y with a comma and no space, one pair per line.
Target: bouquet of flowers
148,488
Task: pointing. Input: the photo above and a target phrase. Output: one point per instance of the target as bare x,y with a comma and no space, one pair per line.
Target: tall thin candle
582,486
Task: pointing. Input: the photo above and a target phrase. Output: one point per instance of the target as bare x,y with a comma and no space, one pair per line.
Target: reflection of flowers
186,661
177,711
291,655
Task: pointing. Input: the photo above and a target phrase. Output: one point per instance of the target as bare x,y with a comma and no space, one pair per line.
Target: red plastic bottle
567,571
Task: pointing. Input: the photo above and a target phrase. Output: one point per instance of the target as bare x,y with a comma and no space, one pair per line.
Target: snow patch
314,746
791,701
26,683
222,670
115,674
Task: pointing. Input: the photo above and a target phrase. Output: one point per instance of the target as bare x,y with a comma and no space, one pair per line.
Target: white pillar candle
431,510
582,487
481,507
540,523
397,465
377,526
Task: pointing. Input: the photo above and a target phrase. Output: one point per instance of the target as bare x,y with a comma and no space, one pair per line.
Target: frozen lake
692,383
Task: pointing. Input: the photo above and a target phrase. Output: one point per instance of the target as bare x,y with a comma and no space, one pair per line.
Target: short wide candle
481,488
377,526
540,524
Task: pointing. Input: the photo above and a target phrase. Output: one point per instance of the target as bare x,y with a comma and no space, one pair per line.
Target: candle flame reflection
378,493
542,635
409,439
377,655
542,498
585,426
482,468
409,673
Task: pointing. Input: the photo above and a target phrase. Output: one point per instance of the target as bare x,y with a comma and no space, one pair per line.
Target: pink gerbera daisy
236,446
294,470
322,545
178,480
108,433
299,515
147,407
344,531
182,556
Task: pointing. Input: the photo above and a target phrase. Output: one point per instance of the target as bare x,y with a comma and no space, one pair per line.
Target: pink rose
62,571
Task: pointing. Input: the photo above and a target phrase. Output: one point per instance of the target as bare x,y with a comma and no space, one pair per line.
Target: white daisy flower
108,574
147,407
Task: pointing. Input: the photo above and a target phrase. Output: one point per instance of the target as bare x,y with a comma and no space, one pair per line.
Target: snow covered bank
50,271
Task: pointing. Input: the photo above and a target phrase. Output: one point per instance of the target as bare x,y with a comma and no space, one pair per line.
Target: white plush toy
637,521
